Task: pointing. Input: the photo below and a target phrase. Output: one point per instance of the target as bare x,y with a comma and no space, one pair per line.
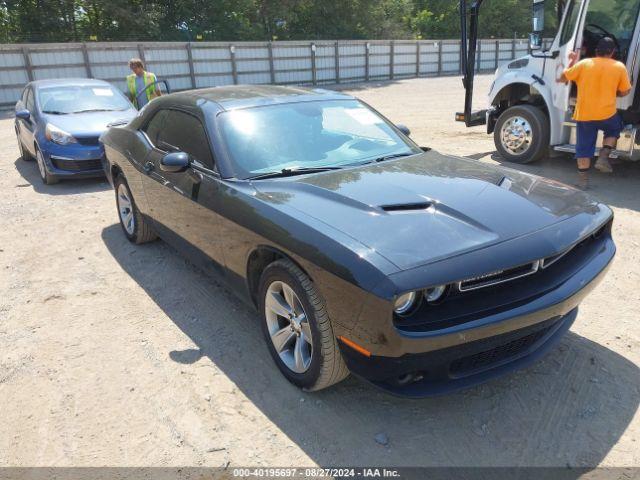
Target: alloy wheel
41,167
125,209
516,135
288,326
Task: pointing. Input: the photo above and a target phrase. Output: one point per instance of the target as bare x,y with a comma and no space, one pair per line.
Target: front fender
519,77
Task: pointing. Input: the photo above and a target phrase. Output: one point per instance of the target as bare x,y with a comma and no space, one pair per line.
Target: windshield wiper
55,112
393,155
290,172
98,110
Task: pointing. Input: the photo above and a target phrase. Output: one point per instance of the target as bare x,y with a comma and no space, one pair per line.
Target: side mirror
537,15
535,41
23,113
404,129
175,162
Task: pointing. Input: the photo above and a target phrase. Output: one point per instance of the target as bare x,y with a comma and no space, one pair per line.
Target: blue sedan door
26,128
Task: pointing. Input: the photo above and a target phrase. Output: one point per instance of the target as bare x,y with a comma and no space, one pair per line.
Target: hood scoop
406,207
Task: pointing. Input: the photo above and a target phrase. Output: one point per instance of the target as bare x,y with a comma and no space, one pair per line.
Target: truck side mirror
535,38
535,41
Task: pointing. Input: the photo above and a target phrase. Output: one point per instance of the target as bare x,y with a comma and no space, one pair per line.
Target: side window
30,103
185,133
154,127
570,23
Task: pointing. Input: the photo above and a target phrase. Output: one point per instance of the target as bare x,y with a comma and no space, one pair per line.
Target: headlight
58,135
405,303
434,294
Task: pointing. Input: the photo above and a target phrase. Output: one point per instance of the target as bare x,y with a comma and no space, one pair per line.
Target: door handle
149,167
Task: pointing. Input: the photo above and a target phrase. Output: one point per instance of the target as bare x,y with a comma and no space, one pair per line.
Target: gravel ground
117,355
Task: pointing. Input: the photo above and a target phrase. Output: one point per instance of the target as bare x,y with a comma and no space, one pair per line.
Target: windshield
308,135
64,100
613,18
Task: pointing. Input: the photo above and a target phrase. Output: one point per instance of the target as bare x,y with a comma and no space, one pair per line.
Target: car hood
90,123
423,208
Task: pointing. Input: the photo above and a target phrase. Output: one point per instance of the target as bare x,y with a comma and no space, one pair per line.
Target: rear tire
522,134
322,364
134,225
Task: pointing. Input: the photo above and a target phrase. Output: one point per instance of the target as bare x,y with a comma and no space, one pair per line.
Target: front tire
24,154
134,225
297,328
45,176
522,134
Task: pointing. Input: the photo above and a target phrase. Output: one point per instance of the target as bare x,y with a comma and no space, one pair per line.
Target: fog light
405,302
435,293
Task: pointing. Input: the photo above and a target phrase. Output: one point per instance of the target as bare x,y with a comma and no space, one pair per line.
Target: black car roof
245,96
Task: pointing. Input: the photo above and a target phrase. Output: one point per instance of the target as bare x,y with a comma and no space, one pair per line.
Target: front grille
485,296
499,277
497,355
76,165
88,140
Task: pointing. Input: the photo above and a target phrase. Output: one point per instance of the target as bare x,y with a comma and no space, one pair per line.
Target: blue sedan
58,123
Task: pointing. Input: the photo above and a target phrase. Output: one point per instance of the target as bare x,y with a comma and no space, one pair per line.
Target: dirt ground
117,355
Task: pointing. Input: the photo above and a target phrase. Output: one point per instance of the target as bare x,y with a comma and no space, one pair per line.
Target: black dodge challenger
419,272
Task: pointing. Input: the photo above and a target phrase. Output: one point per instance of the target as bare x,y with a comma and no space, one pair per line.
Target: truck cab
530,111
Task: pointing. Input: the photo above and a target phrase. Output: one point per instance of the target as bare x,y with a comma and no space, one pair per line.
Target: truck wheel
297,328
522,134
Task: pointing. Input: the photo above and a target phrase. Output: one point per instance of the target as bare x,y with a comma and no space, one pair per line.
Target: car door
181,203
26,128
569,40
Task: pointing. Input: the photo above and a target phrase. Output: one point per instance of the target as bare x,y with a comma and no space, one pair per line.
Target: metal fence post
391,60
234,70
337,61
439,57
272,73
314,73
478,58
367,47
513,48
27,63
497,53
460,69
417,58
192,72
141,53
85,56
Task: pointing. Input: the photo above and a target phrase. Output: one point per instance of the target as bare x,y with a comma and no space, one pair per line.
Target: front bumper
73,161
441,361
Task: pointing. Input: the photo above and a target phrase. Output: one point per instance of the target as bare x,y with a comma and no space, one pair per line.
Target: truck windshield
613,18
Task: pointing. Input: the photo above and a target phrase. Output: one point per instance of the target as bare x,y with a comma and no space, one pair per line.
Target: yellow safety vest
149,78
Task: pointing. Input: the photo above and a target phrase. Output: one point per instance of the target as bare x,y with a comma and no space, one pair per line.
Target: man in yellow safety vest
138,81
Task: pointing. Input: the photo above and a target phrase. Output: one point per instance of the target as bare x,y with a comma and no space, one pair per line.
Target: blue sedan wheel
46,177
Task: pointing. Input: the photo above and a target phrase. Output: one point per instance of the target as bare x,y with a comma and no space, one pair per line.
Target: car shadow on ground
569,409
618,189
28,170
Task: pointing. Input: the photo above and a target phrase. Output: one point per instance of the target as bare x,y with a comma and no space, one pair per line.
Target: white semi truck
529,111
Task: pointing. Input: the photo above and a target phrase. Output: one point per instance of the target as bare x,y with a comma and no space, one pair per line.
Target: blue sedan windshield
62,100
308,135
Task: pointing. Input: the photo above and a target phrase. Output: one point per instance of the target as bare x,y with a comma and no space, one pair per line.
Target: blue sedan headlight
59,136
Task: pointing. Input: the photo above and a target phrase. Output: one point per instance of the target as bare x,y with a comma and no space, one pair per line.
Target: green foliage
84,20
